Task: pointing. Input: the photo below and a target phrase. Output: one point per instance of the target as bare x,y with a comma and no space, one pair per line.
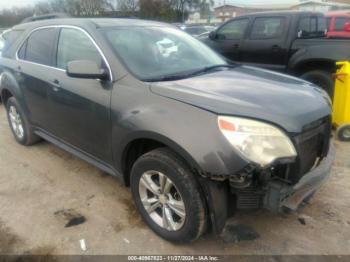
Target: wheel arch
322,54
314,64
215,193
143,142
9,87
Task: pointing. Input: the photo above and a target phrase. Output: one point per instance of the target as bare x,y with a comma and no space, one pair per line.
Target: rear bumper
280,195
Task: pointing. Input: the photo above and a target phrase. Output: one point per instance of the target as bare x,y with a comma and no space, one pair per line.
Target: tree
128,5
10,17
94,7
74,7
164,10
182,7
205,8
156,10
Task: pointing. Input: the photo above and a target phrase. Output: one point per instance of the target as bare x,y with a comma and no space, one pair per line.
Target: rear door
266,43
229,38
80,108
34,72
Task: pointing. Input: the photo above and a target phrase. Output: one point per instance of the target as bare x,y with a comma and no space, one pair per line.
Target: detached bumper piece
279,195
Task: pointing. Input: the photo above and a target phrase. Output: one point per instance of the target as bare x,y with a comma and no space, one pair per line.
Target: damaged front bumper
279,195
272,194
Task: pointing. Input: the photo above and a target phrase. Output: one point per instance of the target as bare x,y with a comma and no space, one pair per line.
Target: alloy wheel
16,122
162,200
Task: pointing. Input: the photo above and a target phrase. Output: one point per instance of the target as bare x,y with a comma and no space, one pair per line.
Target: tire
185,188
20,127
343,133
321,78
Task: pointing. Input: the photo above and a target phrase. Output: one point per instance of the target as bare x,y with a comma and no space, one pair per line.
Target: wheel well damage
133,151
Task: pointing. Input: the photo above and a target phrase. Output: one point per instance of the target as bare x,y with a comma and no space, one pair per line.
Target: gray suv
194,137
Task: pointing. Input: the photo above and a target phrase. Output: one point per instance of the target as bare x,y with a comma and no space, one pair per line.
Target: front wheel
168,196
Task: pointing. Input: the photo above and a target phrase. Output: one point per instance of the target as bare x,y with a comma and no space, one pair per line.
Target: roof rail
45,17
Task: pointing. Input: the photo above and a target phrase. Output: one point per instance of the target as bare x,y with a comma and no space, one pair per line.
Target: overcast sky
11,3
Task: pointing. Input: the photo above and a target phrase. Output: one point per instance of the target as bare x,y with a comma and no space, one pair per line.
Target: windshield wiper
167,78
188,74
210,68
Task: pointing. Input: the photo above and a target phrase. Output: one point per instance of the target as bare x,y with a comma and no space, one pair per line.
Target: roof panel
97,22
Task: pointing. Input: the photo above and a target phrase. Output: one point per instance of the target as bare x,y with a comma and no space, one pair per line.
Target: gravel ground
45,191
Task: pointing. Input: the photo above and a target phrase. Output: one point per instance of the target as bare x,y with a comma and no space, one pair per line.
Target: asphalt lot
43,187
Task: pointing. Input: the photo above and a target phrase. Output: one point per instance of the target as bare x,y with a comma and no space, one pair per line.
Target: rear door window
39,46
268,28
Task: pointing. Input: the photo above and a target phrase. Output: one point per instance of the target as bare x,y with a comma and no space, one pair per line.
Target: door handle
56,85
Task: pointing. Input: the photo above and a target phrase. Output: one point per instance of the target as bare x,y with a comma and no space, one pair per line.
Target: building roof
260,6
318,2
338,13
284,12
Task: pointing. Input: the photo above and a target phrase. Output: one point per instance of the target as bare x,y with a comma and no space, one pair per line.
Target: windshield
155,52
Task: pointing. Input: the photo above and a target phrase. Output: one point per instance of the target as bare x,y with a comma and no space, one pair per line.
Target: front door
80,108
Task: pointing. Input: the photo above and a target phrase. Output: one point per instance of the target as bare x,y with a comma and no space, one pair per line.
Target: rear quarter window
39,46
8,38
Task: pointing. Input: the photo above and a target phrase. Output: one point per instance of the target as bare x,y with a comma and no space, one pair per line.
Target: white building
320,6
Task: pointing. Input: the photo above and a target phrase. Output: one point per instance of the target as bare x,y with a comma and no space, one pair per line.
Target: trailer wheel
343,133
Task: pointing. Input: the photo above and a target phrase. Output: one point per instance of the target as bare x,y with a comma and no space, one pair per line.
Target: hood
245,91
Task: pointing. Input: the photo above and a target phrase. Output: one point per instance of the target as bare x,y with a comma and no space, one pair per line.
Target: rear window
39,46
340,22
312,26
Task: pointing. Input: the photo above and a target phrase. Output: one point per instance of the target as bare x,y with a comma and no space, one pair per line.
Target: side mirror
86,69
212,35
347,27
